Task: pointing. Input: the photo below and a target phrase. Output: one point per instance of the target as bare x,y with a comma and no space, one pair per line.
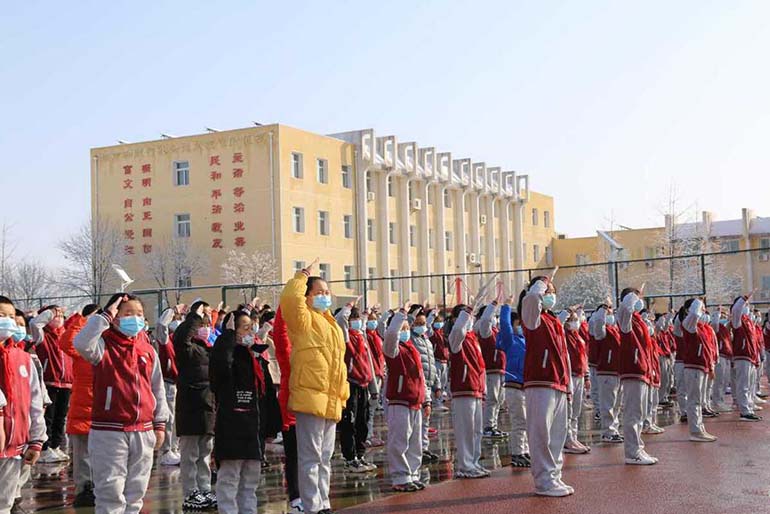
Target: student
607,336
743,357
681,387
194,413
167,324
635,374
664,340
494,363
766,340
650,423
467,384
129,409
23,429
374,340
546,386
593,361
578,358
723,372
47,327
712,357
419,339
355,422
406,393
237,381
696,364
81,401
441,353
318,384
511,341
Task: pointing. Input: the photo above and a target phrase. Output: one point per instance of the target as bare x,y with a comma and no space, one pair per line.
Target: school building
369,206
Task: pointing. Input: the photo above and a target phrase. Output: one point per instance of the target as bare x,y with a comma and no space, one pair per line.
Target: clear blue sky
603,103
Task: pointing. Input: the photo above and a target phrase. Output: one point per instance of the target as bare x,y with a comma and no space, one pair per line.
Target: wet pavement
730,475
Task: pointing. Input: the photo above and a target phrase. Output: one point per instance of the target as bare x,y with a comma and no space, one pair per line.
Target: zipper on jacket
108,401
545,358
400,383
636,356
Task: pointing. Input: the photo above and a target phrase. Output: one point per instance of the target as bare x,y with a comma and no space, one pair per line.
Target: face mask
322,302
419,329
723,322
57,322
639,305
204,333
131,325
20,335
518,330
246,340
173,325
7,328
403,336
705,318
356,324
745,311
572,325
371,325
549,300
651,330
610,319
438,325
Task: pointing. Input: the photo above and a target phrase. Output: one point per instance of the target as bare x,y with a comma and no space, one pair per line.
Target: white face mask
572,325
246,340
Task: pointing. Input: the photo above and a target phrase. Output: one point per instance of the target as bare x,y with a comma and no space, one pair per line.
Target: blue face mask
438,325
131,325
20,335
322,302
639,305
549,300
356,324
419,329
745,311
723,322
705,318
403,336
610,319
371,324
518,330
7,328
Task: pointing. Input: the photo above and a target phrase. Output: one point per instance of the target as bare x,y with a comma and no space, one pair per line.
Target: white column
423,267
440,242
383,241
491,263
461,265
518,241
360,220
402,201
505,246
474,281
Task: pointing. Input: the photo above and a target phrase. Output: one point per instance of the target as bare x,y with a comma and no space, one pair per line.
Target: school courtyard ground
731,475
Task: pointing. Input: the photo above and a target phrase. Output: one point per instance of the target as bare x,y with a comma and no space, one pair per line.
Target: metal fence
719,277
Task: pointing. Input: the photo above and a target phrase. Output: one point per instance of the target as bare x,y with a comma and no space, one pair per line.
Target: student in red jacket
21,408
723,372
578,358
47,327
129,410
650,423
374,340
607,336
546,386
635,374
696,366
441,353
167,323
355,416
744,347
494,363
664,340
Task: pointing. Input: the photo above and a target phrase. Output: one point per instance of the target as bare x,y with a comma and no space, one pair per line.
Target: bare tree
6,252
30,280
173,265
90,252
258,268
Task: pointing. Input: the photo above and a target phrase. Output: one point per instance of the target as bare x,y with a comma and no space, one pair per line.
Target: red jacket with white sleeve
486,332
57,365
578,357
744,346
467,372
635,342
406,382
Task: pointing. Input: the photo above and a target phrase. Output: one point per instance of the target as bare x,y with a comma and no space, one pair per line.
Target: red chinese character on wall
128,250
128,184
216,209
146,182
147,248
240,241
216,194
147,216
215,175
237,157
128,234
238,226
146,232
237,172
216,243
146,202
128,203
128,217
216,227
214,160
127,170
146,168
238,192
239,207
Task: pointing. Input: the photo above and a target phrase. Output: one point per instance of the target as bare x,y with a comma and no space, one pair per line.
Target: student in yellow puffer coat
318,386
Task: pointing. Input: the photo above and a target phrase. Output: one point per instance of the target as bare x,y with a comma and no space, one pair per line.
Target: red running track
731,475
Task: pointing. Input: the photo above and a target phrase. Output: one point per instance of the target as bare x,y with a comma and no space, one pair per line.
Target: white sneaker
567,487
62,454
296,507
170,459
49,456
653,430
278,439
703,437
724,408
642,460
558,491
757,399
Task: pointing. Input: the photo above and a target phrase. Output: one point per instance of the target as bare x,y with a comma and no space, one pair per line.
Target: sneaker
597,416
575,448
650,456
759,399
489,433
49,456
762,395
355,466
425,458
278,439
724,408
702,437
683,418
558,491
653,430
18,509
666,403
567,487
211,498
473,473
62,454
614,438
370,466
642,460
708,413
484,471
374,442
419,485
195,501
170,459
520,461
408,487
295,507
750,417
85,498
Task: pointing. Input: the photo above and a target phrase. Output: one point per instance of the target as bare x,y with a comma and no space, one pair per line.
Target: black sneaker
597,416
355,466
85,498
195,501
666,403
17,508
750,417
426,458
520,461
709,413
211,497
419,485
683,418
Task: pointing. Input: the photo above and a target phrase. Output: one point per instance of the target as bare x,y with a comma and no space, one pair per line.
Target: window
547,219
733,245
370,229
393,282
534,217
766,283
431,242
323,223
299,266
184,279
650,252
448,243
298,215
581,259
764,243
182,224
369,185
371,281
325,271
347,226
296,165
392,233
347,177
323,171
181,173
548,256
390,187
348,274
536,252
447,198
412,236
412,282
